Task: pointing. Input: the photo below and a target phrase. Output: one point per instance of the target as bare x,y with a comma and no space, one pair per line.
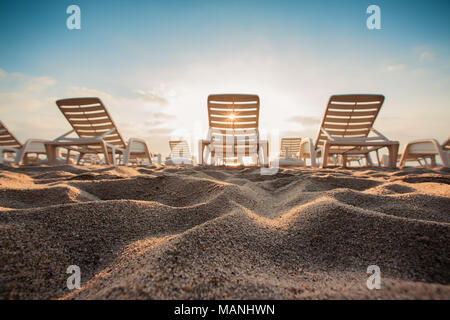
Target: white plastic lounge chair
290,152
97,134
180,153
12,150
345,129
421,150
233,131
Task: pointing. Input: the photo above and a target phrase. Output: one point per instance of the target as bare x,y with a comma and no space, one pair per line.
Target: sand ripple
217,233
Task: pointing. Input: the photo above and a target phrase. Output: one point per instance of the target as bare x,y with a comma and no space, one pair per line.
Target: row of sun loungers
346,135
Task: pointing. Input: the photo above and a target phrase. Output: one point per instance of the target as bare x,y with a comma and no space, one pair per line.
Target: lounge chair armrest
137,145
8,149
379,134
136,140
425,143
64,135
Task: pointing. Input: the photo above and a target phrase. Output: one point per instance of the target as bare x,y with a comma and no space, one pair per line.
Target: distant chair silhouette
180,153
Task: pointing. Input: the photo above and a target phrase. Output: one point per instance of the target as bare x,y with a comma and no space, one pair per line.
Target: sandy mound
223,233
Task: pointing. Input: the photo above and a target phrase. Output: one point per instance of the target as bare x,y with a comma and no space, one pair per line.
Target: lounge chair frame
97,134
9,144
423,149
233,130
345,129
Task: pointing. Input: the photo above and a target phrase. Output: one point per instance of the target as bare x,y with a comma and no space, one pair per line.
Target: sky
153,64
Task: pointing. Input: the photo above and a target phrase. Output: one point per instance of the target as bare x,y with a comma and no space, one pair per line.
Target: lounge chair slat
233,125
358,98
82,109
350,126
91,122
95,128
368,120
77,101
93,116
234,98
348,133
353,106
236,112
352,114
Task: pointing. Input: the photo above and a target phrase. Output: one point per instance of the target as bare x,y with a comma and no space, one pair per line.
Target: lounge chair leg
201,152
264,152
393,154
80,157
368,160
149,157
326,148
378,158
433,160
445,158
404,157
307,148
344,161
68,156
213,157
105,153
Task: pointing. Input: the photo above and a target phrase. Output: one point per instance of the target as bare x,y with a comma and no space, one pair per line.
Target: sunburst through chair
233,134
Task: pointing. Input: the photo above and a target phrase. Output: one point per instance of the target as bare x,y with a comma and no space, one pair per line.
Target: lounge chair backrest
7,139
233,112
233,121
349,116
179,148
290,147
89,118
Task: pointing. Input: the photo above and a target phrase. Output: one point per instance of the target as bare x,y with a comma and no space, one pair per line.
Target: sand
223,233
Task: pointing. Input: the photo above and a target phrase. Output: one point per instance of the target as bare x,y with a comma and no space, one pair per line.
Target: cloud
395,67
153,123
160,131
426,57
76,91
305,121
162,115
14,81
19,92
152,97
40,84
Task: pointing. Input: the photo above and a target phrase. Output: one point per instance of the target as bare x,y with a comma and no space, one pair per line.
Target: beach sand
223,233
